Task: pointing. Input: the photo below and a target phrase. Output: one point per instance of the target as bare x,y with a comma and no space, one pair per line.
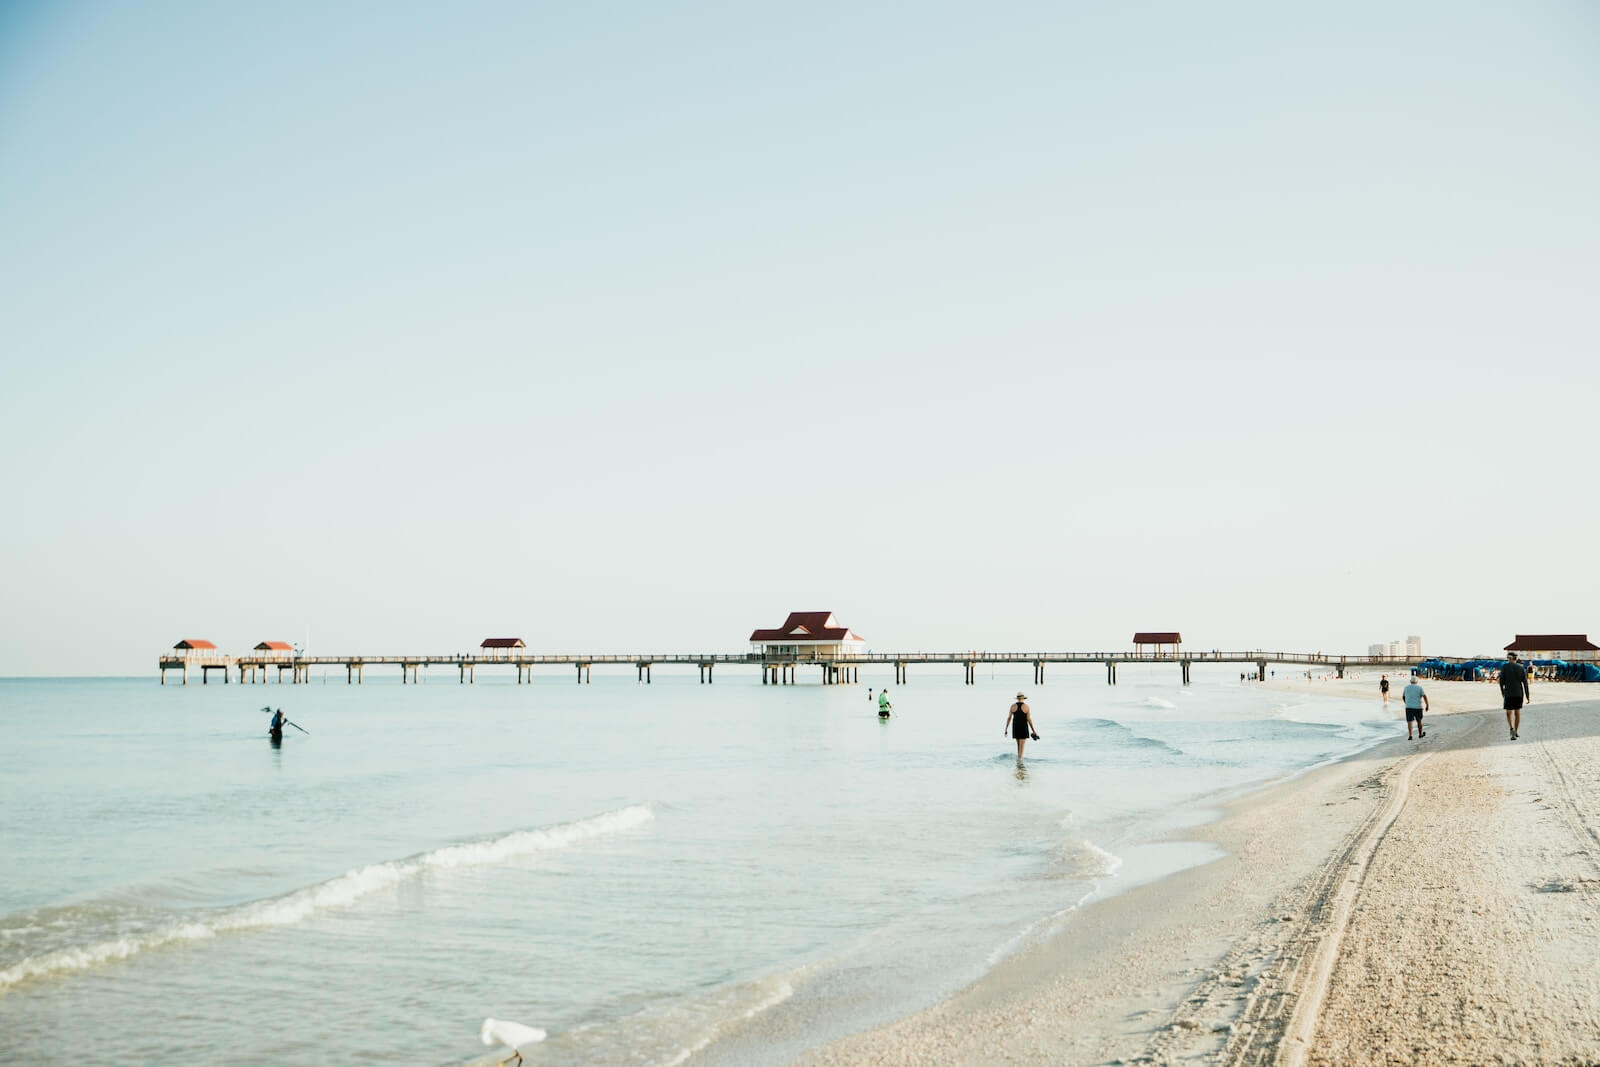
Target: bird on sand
512,1035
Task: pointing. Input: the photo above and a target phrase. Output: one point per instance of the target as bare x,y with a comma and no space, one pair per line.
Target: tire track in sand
1281,973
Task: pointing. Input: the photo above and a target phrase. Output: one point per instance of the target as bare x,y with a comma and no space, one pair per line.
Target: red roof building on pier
808,635
1556,646
274,646
503,642
195,644
1158,638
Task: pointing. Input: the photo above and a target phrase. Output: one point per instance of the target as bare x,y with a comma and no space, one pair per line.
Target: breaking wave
134,937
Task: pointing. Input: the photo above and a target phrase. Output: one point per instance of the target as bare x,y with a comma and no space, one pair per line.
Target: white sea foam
1087,861
338,892
767,993
1157,702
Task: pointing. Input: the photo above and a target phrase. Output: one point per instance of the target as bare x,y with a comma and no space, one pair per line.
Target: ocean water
655,874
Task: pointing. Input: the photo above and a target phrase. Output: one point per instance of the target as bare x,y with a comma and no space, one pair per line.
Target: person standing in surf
1383,687
883,704
1019,723
275,731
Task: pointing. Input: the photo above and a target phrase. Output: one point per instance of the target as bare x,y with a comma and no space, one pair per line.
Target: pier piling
775,669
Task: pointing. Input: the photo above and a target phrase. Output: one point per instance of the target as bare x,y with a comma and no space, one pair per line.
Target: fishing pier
776,668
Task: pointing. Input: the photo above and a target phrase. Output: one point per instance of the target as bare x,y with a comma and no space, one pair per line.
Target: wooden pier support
778,669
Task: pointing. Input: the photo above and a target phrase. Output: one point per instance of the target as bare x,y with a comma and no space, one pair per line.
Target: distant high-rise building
1410,648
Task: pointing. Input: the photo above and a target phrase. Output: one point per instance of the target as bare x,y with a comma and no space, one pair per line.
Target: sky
633,327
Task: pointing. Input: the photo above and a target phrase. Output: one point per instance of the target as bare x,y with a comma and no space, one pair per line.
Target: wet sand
1429,901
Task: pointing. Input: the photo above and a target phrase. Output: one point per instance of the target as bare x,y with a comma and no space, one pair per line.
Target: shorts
1413,713
1514,703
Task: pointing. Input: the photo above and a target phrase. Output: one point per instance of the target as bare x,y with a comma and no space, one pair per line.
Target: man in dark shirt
1514,688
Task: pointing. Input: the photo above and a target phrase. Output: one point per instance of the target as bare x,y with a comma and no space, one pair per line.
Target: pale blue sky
633,327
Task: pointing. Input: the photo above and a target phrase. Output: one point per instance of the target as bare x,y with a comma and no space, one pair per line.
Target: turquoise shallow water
654,874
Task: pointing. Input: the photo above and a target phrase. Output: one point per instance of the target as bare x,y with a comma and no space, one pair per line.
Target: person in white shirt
1416,702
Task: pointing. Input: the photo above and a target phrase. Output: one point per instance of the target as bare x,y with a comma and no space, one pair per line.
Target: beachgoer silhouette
1019,723
1514,688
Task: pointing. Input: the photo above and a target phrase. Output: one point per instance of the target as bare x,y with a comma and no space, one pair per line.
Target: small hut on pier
194,647
275,649
501,647
1161,641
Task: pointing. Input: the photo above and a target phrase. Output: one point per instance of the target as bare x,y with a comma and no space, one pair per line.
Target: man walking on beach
1416,702
1514,688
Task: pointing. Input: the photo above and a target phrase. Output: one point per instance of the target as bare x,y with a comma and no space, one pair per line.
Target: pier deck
775,670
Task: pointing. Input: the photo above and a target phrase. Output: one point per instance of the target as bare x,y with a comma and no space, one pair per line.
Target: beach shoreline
1283,949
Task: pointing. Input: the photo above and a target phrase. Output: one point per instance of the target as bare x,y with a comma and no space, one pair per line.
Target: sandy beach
1429,901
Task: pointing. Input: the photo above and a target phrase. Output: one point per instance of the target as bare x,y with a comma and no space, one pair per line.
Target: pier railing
776,668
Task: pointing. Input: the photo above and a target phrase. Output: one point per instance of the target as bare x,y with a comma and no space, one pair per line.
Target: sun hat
1021,697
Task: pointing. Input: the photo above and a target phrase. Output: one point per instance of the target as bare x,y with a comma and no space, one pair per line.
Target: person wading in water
1019,723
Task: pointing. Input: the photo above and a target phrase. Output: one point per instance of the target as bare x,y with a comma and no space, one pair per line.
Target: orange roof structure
195,644
274,646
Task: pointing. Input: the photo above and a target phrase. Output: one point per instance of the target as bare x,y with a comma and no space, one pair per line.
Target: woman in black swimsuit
1019,722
